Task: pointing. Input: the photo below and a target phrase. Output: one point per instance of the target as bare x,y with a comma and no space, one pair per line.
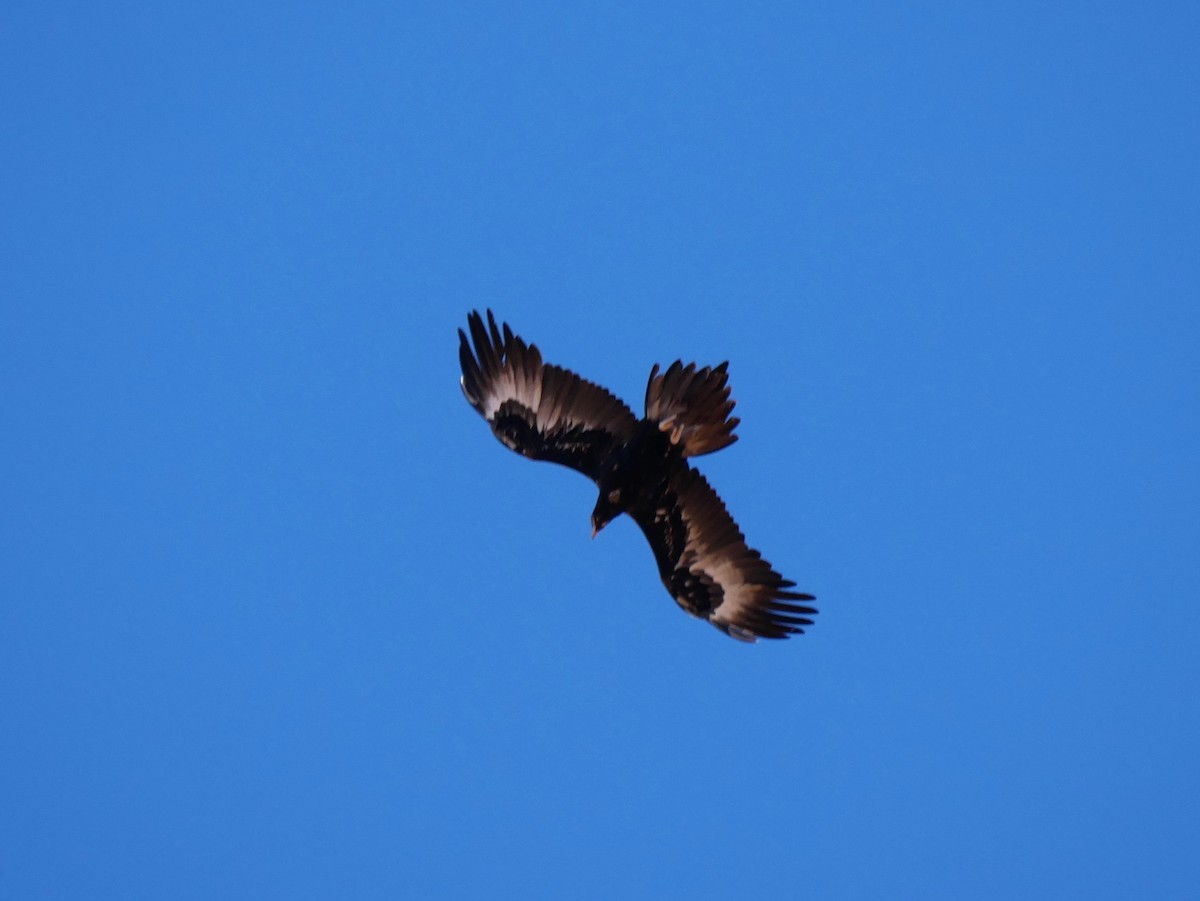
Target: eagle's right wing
709,569
541,411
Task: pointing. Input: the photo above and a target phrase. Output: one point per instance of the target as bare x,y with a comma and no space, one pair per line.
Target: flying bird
641,468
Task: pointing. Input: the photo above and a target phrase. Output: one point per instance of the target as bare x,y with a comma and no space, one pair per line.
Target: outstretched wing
709,569
543,412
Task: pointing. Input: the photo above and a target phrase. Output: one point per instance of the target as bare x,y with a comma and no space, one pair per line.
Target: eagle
641,468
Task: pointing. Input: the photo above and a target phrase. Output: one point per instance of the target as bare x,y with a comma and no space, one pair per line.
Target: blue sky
284,621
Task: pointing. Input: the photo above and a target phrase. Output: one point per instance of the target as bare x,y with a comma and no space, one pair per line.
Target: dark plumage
641,468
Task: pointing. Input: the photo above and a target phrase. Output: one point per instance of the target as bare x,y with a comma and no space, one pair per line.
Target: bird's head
608,508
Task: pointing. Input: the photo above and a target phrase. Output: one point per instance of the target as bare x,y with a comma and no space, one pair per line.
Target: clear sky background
281,619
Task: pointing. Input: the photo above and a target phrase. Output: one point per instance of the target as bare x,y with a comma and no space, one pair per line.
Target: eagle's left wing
541,411
709,569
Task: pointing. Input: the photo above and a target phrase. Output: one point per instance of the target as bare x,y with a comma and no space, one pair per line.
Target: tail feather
692,405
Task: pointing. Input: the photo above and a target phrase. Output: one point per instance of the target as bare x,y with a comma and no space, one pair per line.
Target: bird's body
634,477
641,469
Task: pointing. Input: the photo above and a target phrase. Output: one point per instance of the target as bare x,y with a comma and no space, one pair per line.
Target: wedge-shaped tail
692,406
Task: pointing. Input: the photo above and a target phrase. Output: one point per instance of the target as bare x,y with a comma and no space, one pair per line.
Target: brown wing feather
541,411
709,569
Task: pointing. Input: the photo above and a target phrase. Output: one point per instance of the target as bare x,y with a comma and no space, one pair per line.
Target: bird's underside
641,468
